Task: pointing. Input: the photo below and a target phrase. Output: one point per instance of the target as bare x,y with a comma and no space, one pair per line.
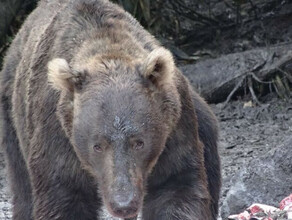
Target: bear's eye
139,145
97,148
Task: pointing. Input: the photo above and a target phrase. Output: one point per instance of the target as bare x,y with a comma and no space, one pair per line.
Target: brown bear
95,113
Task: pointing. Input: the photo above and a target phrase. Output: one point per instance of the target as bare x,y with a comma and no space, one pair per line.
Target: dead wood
217,79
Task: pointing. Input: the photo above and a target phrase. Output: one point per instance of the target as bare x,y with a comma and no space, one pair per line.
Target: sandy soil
246,132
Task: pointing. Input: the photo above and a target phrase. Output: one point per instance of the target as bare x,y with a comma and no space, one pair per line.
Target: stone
265,180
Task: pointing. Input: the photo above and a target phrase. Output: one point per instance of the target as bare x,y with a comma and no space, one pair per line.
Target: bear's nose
124,206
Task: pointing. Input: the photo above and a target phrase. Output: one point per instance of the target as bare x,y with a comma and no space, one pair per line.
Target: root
233,91
254,97
279,85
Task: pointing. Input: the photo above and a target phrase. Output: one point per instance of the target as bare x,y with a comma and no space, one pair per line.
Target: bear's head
118,112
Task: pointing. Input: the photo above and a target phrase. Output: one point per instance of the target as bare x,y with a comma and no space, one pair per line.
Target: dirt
247,131
5,205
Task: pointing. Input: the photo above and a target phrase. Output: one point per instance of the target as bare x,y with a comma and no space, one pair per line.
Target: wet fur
46,177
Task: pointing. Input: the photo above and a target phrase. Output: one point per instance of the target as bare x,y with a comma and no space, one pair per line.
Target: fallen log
216,79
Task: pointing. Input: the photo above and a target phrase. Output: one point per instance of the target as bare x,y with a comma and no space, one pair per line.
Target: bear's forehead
120,129
123,127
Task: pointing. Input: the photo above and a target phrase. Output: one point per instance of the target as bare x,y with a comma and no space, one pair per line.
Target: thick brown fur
94,112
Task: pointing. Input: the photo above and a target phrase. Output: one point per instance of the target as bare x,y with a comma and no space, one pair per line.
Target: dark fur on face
116,104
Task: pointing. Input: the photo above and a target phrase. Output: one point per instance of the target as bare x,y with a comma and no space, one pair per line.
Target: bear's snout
124,198
124,206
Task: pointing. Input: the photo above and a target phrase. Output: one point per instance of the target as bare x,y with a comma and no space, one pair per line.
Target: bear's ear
159,67
62,77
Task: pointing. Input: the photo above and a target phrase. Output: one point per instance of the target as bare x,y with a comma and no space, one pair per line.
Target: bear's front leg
62,190
59,200
178,201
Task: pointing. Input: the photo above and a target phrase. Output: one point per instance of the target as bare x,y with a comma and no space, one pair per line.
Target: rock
265,180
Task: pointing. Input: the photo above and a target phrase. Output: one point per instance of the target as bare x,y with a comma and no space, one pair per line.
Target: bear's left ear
159,67
62,77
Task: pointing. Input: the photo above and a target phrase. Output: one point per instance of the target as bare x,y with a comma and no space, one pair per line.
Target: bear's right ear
159,67
62,77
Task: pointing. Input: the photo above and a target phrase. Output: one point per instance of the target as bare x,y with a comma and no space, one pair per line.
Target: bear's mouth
129,214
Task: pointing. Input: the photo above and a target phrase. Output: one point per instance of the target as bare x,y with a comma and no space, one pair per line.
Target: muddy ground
247,132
